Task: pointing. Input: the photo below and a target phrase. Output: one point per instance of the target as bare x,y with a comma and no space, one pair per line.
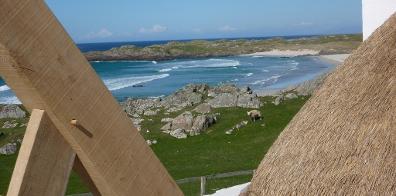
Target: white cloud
154,29
227,28
102,33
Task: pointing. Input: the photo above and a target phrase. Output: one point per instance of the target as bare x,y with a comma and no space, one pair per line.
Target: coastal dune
286,53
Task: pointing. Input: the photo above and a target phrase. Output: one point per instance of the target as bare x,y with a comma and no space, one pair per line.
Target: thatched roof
343,141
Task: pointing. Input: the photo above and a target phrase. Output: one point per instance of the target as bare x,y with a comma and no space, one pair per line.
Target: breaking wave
165,70
4,88
9,100
271,79
209,63
120,83
249,74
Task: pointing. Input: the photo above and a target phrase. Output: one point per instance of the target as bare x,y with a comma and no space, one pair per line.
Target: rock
225,88
166,120
154,141
224,100
167,127
150,112
201,123
241,125
8,149
248,101
291,96
9,124
179,134
189,95
174,109
203,108
247,90
11,111
136,107
254,115
183,121
149,142
278,100
137,121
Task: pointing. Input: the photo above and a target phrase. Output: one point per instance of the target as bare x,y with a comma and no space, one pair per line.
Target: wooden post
44,162
203,184
42,65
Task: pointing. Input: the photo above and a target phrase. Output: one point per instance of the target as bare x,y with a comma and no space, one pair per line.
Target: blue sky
132,20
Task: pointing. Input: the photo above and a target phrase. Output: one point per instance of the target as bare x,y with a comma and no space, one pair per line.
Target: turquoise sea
153,79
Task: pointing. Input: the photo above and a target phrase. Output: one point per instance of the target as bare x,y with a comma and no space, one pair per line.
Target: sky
89,21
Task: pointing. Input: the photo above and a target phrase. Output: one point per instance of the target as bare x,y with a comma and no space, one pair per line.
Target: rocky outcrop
178,133
11,111
9,124
224,100
232,96
186,123
8,149
139,106
248,101
284,96
203,108
189,95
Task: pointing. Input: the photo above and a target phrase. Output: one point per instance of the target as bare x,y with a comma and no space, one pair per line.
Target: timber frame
75,121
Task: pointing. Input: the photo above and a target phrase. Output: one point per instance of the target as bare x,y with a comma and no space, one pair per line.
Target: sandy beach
285,53
335,58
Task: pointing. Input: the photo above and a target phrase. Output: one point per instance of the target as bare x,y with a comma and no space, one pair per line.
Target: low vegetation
211,152
327,44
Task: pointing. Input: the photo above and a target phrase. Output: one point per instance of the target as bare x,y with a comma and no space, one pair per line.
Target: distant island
321,45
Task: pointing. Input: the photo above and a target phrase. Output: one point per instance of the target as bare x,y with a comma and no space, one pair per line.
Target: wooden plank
61,81
44,161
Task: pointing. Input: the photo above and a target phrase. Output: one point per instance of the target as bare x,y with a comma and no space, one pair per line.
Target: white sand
231,191
285,53
335,58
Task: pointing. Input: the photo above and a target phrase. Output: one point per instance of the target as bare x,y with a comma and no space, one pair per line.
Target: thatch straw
343,141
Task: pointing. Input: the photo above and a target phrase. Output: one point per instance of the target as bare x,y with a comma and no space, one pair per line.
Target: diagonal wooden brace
44,161
45,69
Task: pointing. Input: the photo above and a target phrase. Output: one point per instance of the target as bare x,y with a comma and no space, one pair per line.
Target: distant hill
329,44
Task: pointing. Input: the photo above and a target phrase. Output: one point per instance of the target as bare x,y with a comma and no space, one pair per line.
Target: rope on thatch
343,141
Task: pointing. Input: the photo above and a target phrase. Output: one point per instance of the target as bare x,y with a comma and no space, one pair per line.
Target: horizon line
219,38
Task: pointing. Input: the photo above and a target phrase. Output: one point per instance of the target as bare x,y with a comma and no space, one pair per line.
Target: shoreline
335,59
308,85
285,53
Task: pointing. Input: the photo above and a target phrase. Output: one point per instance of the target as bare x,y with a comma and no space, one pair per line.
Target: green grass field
209,153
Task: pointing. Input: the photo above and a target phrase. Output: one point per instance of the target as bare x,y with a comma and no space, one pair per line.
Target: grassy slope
331,44
209,153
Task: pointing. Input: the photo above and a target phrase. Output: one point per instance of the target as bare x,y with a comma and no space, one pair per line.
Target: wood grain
44,161
49,72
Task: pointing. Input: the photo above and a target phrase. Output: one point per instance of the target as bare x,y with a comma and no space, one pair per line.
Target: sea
141,79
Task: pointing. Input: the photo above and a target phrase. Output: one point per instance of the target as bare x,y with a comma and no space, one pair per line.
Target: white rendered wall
375,13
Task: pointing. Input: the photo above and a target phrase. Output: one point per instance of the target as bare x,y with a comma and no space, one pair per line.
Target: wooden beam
47,71
44,161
